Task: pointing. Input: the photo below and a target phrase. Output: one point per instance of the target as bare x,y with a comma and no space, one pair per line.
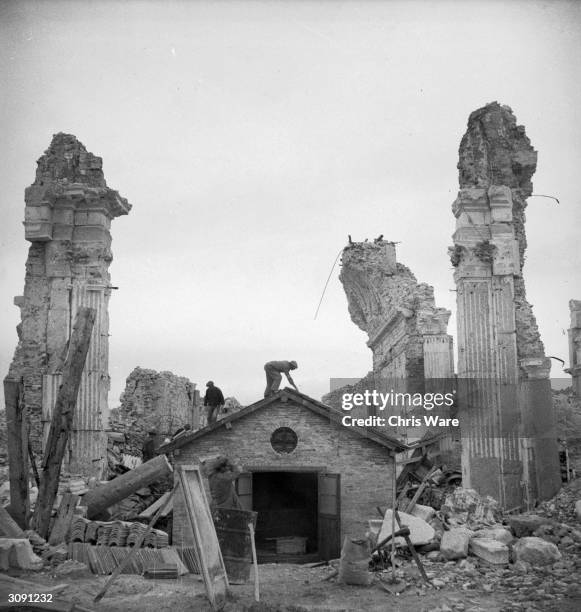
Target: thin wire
538,195
328,279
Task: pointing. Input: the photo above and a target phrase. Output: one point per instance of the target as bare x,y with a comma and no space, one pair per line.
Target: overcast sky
252,137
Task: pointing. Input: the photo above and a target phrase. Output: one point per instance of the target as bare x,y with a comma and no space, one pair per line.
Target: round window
283,440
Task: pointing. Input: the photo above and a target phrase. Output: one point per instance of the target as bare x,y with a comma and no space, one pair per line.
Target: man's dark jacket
213,397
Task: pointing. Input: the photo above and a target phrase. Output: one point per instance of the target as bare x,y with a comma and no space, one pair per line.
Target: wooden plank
33,464
402,497
408,461
151,510
8,526
100,498
255,563
62,418
206,542
329,517
412,549
63,520
420,490
17,452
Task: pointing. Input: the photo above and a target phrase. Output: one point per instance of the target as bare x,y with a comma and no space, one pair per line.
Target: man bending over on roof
273,370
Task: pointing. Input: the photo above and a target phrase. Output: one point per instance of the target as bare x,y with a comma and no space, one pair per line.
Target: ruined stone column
68,216
407,332
499,345
575,345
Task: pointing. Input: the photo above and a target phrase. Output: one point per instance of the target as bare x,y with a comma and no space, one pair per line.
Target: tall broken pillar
407,332
575,345
68,216
509,436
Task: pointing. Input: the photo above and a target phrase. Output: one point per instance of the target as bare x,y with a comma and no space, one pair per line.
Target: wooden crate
291,546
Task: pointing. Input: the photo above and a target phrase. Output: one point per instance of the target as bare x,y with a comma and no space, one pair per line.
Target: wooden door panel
244,490
329,518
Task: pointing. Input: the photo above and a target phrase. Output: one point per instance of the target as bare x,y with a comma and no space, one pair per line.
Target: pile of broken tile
115,533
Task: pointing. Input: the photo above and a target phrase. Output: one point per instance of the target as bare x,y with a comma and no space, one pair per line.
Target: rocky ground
549,581
464,586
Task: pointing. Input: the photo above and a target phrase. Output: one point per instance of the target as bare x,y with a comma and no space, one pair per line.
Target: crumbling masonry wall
68,216
407,332
509,446
153,401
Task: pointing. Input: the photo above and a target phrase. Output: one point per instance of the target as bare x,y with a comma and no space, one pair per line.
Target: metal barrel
235,541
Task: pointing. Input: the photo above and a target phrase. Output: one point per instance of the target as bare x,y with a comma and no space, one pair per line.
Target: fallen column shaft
119,488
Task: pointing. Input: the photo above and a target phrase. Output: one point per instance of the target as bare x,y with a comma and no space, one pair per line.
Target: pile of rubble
471,545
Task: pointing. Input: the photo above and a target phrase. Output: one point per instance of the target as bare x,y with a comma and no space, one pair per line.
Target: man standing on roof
213,400
273,370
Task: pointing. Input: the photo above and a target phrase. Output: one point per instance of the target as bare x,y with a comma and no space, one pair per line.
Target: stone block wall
153,401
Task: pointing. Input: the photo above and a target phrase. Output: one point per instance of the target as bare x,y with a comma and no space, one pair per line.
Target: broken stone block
454,544
522,567
466,506
420,531
491,551
72,569
19,554
536,551
500,534
426,513
523,525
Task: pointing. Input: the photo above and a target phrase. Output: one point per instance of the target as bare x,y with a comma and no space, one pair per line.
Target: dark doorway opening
287,506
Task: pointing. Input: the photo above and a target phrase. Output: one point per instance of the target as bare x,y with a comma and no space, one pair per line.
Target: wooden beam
423,485
17,452
33,464
62,418
255,563
100,498
63,519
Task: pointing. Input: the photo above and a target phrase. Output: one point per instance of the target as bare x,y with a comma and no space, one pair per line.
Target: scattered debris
525,524
18,553
492,551
454,544
420,531
466,507
536,551
71,569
